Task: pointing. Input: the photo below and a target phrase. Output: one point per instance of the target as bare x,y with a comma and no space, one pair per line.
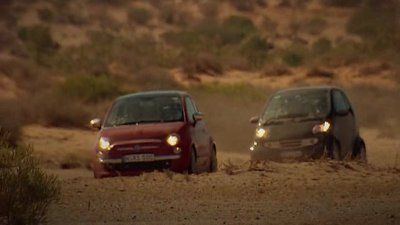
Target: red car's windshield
145,109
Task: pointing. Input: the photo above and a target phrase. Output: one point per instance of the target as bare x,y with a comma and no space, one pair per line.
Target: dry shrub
26,191
154,78
269,25
341,3
374,69
276,70
139,16
244,6
376,107
321,46
202,64
209,9
172,14
315,26
45,15
10,122
27,76
54,109
90,88
318,72
72,161
231,168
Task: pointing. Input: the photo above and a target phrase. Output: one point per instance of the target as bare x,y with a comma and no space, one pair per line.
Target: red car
153,131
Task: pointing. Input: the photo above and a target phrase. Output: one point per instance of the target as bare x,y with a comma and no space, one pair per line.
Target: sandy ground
320,192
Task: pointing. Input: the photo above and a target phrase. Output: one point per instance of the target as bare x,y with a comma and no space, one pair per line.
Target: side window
340,102
191,109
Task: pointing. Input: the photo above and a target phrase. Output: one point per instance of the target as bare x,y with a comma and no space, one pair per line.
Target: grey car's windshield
309,104
145,109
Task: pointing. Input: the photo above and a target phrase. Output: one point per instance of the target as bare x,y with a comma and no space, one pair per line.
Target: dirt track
293,193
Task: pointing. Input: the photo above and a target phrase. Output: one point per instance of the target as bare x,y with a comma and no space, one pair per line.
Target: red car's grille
138,145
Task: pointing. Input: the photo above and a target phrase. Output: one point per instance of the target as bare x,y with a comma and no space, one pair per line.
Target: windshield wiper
138,122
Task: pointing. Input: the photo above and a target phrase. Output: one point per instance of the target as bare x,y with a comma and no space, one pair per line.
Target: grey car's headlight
173,140
262,132
321,128
104,143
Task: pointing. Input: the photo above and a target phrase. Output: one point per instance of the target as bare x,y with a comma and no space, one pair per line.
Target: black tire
213,161
335,152
192,165
360,152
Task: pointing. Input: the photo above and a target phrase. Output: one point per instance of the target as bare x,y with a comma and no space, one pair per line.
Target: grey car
309,122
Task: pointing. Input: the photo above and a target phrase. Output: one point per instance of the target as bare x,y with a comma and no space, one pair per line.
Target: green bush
321,46
236,28
25,190
210,9
39,42
294,56
153,78
89,88
45,15
59,110
315,25
341,3
255,50
202,64
377,22
245,6
139,16
173,15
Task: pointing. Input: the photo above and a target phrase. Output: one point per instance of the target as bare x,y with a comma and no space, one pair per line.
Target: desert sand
320,192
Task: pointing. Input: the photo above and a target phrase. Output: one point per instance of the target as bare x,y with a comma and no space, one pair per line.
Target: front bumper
314,149
121,160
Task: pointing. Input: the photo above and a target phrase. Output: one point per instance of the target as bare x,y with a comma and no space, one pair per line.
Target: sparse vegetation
45,15
139,16
54,109
25,190
342,3
377,23
315,26
275,70
202,64
39,42
255,50
245,6
322,46
321,73
89,88
10,122
294,56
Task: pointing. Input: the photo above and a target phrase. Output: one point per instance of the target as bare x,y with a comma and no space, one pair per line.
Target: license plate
291,154
139,158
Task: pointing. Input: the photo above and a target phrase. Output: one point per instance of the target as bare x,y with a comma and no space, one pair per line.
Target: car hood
291,130
141,131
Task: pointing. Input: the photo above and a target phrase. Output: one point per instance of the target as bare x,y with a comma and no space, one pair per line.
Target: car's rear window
145,109
298,103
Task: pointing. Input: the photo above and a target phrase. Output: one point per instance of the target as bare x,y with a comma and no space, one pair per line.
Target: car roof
308,88
155,93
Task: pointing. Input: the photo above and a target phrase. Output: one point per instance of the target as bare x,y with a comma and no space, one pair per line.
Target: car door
198,132
344,127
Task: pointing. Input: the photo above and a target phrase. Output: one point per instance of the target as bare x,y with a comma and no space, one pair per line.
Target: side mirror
95,124
198,116
254,119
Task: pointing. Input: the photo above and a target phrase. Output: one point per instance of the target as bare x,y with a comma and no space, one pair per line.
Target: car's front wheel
360,152
335,151
192,163
213,160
